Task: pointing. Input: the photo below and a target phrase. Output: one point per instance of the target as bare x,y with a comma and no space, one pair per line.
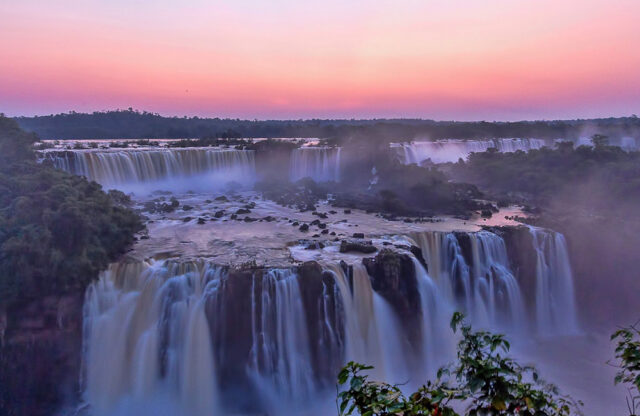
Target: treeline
132,124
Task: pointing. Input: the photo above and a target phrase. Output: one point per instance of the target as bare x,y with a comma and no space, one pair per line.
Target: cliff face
40,355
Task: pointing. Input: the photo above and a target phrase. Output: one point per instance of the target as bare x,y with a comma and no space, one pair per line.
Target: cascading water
483,285
371,328
170,168
322,164
196,339
450,150
147,341
280,361
555,299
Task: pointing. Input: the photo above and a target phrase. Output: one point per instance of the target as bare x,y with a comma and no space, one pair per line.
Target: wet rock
347,211
269,218
325,231
219,214
186,219
187,207
222,198
365,247
322,226
314,245
332,212
201,220
393,277
320,214
304,228
249,219
358,235
234,216
242,211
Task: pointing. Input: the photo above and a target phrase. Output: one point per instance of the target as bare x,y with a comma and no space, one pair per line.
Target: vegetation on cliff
57,230
599,177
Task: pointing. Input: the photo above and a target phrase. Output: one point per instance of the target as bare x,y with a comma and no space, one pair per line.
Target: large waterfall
167,168
194,339
321,164
450,150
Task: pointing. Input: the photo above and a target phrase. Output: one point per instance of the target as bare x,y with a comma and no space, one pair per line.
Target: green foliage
57,230
483,380
628,361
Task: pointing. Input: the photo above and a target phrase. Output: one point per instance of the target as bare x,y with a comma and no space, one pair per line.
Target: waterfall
147,341
450,150
280,360
126,168
371,328
483,285
193,339
322,164
555,299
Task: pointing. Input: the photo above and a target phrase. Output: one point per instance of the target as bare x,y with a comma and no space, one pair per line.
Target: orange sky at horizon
451,59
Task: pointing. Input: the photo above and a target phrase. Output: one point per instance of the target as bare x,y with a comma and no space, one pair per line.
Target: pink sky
442,59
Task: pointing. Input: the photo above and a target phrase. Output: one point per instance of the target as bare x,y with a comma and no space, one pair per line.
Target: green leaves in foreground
482,380
628,362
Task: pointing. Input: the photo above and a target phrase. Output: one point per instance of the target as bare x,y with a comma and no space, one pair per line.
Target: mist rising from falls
322,164
172,169
450,150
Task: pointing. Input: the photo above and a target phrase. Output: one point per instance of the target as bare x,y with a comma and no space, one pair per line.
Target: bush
482,379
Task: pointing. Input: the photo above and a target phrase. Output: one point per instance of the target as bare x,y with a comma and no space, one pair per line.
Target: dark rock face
393,277
40,356
365,247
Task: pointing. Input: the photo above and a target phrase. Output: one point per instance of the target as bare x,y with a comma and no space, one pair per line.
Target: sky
437,59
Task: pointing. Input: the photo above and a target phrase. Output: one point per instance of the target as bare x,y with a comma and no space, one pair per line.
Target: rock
325,231
269,218
347,211
242,211
234,216
222,198
320,214
249,219
219,214
358,235
186,219
358,246
314,245
187,207
201,220
304,228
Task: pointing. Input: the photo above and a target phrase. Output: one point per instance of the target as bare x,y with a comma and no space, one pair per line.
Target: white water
555,299
167,169
322,164
484,288
147,341
450,150
280,361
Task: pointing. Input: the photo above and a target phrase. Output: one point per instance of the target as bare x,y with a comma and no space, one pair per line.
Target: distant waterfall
131,167
555,299
322,164
450,150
